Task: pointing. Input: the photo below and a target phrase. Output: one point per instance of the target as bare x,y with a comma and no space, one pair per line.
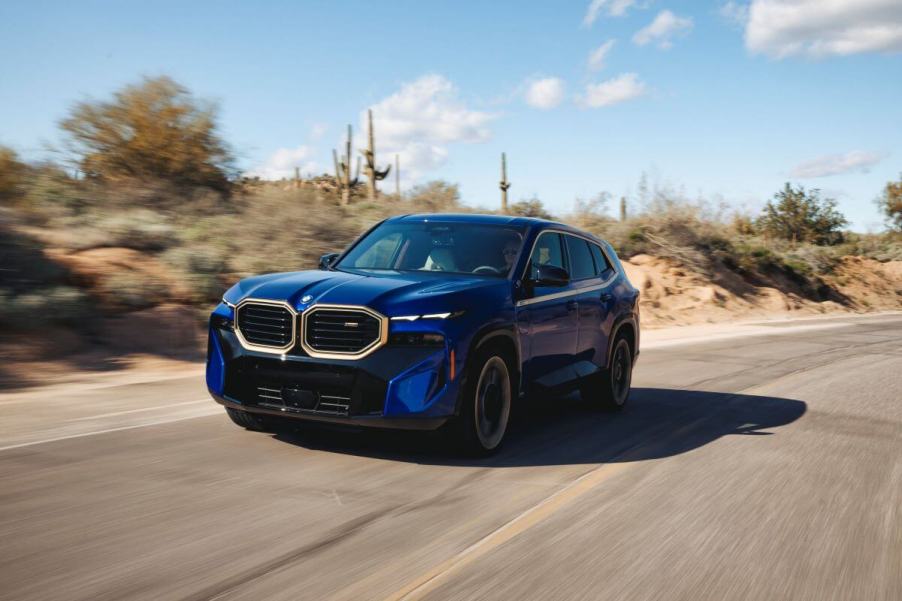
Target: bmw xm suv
426,322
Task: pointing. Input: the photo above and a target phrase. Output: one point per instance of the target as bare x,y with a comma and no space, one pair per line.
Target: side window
602,265
548,251
581,264
379,254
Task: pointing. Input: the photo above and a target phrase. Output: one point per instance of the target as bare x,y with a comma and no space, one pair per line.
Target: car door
550,314
597,311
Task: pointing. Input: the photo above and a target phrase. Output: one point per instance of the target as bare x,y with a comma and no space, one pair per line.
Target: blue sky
718,99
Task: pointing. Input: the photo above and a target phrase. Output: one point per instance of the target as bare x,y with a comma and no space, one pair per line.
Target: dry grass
193,244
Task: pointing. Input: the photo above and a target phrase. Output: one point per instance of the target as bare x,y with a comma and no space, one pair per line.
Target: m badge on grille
351,324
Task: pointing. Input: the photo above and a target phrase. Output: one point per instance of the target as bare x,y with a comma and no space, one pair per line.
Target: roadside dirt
170,335
672,294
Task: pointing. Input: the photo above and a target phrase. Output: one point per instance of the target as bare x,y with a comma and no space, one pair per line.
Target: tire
611,389
248,421
485,410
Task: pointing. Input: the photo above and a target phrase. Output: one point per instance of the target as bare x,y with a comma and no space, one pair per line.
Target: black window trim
573,292
594,275
604,254
564,255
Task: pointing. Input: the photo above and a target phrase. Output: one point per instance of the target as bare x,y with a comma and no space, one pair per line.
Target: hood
392,294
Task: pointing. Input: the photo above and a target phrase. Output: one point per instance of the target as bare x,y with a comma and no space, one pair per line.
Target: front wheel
611,389
486,406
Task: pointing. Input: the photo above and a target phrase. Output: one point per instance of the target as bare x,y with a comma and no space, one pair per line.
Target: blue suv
429,321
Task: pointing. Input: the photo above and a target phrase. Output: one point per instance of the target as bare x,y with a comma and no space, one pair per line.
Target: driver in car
509,254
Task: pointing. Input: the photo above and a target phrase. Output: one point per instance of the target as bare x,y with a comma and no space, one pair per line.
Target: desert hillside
673,294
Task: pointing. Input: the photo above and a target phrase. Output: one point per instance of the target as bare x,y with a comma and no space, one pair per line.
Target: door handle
607,296
571,305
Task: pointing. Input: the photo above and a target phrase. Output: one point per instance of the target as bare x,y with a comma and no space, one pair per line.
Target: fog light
417,339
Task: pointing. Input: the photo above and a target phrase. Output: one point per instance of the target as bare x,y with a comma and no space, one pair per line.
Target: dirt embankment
672,294
141,310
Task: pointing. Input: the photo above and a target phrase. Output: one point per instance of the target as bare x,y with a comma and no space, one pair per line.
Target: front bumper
364,421
394,387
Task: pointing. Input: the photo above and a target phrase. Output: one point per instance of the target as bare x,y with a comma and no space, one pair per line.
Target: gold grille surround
378,343
263,348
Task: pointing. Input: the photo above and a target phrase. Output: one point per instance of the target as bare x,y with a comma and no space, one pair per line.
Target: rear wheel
486,405
611,389
249,421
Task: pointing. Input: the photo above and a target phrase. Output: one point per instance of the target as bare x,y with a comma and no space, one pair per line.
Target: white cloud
735,12
821,28
613,8
613,91
282,162
420,120
837,164
545,93
662,30
598,56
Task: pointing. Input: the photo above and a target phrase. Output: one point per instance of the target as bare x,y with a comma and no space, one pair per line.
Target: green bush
802,216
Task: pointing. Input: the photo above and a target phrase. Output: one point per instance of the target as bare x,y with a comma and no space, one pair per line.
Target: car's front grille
341,331
266,325
290,398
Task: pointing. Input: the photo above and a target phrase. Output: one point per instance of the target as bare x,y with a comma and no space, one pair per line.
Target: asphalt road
760,463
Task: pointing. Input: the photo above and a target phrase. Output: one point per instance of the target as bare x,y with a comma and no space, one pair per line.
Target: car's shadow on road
657,423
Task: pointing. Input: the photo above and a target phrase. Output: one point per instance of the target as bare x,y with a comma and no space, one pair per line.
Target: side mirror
325,261
550,275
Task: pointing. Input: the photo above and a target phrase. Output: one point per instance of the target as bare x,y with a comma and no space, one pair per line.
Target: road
758,462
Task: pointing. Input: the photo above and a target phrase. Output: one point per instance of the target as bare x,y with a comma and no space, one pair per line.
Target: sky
720,100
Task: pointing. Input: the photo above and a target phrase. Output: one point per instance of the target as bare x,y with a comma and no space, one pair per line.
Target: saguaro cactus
373,175
343,171
504,184
623,208
398,177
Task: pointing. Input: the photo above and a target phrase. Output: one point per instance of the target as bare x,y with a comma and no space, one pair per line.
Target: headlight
447,315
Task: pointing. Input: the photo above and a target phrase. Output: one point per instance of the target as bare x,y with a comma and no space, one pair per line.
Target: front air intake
265,326
342,332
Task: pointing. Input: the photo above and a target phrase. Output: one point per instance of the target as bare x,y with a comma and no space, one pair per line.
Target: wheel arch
503,337
627,327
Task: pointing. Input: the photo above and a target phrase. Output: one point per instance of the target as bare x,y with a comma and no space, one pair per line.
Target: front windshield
459,248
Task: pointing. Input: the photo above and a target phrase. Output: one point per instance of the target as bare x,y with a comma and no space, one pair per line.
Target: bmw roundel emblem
306,298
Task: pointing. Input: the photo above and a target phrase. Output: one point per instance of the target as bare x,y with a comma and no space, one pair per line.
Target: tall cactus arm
354,181
381,175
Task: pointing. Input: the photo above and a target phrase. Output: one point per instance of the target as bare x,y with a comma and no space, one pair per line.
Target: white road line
744,332
90,417
213,411
428,581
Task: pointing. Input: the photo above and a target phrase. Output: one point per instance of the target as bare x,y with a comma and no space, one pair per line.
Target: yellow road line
428,581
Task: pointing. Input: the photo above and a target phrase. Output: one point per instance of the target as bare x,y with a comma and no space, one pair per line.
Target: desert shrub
744,225
531,207
435,196
591,215
802,216
50,193
152,130
201,270
890,203
813,260
12,175
34,290
62,305
129,290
